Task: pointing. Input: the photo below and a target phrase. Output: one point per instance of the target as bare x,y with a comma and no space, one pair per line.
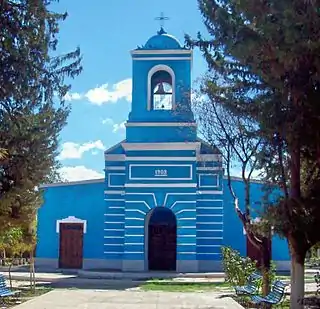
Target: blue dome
162,41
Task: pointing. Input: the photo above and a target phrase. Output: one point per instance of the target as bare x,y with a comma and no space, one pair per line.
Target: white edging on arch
71,219
157,68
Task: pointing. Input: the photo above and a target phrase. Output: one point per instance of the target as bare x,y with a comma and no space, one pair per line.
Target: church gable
116,149
206,148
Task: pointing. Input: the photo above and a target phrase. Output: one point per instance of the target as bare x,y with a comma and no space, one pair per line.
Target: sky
106,31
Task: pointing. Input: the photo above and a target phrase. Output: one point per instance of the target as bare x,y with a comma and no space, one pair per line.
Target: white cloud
107,121
72,96
105,93
72,150
119,127
77,173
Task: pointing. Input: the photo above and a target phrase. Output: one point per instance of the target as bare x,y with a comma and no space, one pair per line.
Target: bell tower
161,92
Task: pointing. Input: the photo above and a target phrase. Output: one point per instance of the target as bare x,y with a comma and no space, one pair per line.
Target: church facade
163,204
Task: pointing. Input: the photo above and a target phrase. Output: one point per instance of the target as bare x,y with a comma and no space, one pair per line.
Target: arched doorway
162,239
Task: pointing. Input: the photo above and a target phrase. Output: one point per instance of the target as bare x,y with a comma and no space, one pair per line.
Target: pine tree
33,83
267,55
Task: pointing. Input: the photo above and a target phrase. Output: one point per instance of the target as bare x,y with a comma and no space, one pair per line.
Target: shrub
236,267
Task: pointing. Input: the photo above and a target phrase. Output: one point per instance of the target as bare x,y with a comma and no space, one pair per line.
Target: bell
161,90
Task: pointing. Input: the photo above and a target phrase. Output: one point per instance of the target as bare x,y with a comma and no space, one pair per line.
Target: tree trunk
265,265
297,281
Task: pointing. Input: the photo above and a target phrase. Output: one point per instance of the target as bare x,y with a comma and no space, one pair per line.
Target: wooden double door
71,245
162,247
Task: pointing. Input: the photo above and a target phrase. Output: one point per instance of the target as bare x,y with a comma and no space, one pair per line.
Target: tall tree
269,52
237,139
34,81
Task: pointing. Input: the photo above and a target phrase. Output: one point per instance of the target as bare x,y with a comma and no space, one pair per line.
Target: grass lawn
170,286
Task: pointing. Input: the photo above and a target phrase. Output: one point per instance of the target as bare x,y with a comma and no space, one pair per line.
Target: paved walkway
93,299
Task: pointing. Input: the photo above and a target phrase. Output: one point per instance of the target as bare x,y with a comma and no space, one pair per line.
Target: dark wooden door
162,250
254,253
71,245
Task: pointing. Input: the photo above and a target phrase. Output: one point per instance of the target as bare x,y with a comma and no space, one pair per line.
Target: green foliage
237,268
33,81
263,60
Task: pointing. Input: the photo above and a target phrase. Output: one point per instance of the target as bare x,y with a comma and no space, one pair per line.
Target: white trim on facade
136,210
161,159
210,208
211,253
204,192
71,219
134,252
72,183
161,185
110,185
209,157
179,202
161,52
206,186
115,168
186,235
120,192
113,222
214,168
161,58
142,202
116,215
177,193
112,252
114,230
186,252
162,146
138,235
152,71
185,210
114,157
161,124
160,177
209,215
210,223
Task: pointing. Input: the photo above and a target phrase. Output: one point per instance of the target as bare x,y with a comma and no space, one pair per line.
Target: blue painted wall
233,231
84,201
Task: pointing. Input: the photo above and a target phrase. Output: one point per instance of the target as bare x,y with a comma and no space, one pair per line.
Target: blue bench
4,290
252,287
275,297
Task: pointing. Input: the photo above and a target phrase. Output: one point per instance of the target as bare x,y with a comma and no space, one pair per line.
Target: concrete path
93,299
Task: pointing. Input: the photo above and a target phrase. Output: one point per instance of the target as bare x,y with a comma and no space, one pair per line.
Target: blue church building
163,204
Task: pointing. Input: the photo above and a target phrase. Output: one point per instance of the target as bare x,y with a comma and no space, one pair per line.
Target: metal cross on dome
162,18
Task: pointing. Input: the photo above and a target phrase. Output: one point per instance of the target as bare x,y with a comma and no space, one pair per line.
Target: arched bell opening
161,88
